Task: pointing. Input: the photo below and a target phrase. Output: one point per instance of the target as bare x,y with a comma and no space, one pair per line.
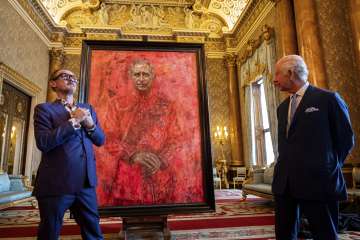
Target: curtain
250,146
271,94
259,65
260,155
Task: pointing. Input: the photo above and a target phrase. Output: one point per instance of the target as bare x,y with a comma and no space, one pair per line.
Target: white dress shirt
299,95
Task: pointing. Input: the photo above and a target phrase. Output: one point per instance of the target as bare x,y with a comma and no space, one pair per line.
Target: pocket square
311,109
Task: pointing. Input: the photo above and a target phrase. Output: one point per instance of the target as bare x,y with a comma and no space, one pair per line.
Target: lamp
221,135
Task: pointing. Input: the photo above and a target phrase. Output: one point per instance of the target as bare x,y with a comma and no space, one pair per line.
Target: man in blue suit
315,136
65,133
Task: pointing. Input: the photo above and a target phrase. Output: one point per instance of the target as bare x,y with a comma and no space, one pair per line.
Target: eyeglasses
67,77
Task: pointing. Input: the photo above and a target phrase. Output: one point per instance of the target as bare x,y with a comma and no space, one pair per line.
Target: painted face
282,78
65,82
142,76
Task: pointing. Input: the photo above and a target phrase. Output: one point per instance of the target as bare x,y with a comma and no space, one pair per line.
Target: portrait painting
151,103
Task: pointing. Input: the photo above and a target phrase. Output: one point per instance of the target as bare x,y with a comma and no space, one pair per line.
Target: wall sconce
221,135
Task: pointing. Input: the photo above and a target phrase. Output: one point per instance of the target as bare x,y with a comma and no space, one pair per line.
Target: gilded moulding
143,19
56,9
18,80
247,51
252,17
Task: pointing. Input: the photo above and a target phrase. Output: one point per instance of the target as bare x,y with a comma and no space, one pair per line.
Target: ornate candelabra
221,135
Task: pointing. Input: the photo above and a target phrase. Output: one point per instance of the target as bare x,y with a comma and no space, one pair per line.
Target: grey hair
297,64
142,61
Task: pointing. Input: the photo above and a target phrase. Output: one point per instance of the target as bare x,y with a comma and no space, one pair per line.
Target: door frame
25,85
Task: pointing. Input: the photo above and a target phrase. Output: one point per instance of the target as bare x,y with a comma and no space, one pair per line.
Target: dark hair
55,75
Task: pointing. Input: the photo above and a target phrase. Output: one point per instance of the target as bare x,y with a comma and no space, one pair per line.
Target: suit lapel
283,117
60,110
301,108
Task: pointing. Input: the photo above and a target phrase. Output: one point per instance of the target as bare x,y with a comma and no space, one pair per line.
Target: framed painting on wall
151,102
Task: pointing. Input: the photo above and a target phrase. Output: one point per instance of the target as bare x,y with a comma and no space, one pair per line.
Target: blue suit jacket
68,160
312,155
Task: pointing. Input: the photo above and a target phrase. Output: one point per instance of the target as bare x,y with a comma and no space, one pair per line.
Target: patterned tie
293,107
292,111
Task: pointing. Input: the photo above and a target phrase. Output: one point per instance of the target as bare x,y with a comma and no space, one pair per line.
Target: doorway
14,122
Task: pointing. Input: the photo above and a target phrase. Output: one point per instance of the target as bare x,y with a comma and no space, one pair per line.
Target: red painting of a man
148,147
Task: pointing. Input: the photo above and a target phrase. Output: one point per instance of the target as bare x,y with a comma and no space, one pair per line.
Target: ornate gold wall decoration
218,89
56,9
212,46
18,80
73,42
266,34
71,15
143,19
340,60
255,13
229,10
193,39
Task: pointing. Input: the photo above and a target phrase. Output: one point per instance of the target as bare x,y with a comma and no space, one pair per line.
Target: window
263,153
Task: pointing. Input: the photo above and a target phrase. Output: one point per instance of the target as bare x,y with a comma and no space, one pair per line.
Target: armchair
216,178
240,176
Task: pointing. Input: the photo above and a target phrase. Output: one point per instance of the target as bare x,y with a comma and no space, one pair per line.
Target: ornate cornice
154,2
230,59
267,33
57,54
254,17
203,26
229,10
26,11
10,74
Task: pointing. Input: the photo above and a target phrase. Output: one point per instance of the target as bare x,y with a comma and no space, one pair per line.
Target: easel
145,227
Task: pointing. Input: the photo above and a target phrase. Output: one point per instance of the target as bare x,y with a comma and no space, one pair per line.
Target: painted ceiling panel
228,11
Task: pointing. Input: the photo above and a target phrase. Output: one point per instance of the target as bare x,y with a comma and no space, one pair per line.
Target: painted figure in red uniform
148,145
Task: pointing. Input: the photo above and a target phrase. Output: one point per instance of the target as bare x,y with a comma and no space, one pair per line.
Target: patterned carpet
233,219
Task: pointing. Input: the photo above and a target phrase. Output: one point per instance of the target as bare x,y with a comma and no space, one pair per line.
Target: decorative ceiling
214,16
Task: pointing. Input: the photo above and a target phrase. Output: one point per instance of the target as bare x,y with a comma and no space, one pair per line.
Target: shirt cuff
75,125
90,130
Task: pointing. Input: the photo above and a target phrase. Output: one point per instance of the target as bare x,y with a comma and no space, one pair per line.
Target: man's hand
149,161
88,121
83,116
79,114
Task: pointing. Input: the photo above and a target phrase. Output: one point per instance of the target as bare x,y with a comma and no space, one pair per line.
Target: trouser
83,206
322,217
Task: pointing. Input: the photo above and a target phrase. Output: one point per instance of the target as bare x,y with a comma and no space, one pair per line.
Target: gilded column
309,41
235,124
285,21
355,26
56,62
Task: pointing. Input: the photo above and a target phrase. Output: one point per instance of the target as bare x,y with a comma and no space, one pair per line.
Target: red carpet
230,212
234,219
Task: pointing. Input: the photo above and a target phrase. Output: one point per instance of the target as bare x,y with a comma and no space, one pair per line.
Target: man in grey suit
315,136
